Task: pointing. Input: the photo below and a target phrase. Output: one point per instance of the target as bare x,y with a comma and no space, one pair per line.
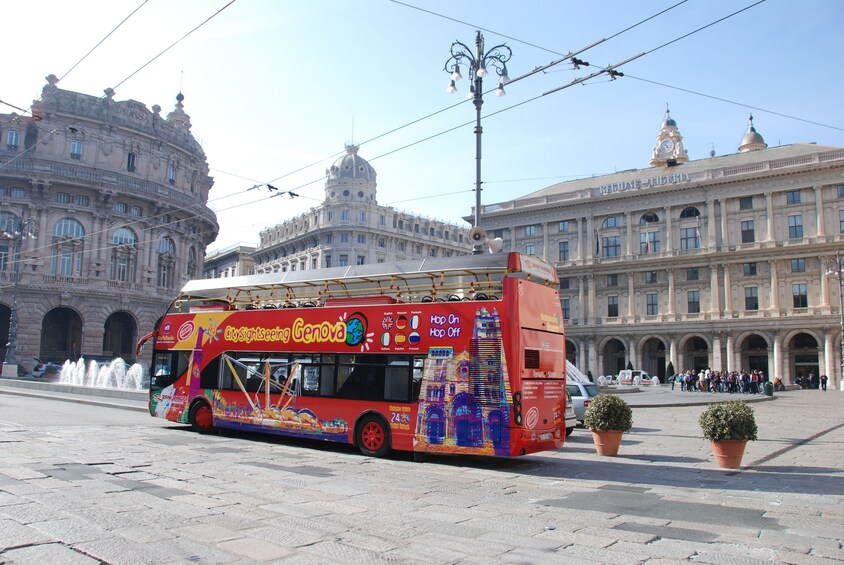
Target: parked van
628,377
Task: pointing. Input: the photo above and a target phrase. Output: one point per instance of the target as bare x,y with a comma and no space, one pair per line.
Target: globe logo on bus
355,329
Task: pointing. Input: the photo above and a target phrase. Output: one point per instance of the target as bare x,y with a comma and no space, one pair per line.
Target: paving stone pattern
152,492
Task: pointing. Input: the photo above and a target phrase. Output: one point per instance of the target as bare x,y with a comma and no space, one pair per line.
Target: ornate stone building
719,262
103,217
351,228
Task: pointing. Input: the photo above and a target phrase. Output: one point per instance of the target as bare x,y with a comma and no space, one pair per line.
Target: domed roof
668,121
351,166
751,141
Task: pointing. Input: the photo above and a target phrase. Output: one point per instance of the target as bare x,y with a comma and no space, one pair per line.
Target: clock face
666,146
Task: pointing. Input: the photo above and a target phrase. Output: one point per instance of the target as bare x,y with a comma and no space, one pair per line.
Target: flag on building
597,243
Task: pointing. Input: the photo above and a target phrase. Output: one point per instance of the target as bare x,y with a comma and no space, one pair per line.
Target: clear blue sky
273,86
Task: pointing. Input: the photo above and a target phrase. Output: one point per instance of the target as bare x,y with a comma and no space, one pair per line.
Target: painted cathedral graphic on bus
467,397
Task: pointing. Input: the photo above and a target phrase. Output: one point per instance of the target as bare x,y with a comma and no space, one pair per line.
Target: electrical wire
576,81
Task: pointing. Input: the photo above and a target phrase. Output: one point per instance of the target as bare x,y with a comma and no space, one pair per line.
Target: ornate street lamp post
15,231
835,268
478,62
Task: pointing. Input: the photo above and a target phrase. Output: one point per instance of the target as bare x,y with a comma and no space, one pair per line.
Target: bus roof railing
462,277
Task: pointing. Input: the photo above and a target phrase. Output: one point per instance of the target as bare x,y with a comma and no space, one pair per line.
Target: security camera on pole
478,62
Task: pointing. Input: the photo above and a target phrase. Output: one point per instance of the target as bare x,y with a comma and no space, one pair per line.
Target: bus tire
200,418
373,436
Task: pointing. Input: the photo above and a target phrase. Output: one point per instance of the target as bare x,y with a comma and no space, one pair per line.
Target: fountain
116,374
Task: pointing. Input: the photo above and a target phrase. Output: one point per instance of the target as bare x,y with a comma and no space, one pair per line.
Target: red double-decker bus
462,355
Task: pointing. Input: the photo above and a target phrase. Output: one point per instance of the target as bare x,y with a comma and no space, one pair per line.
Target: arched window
69,227
166,262
9,231
165,245
123,236
123,256
611,222
648,218
690,212
68,248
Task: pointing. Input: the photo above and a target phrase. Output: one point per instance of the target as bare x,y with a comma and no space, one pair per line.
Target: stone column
715,293
590,238
819,212
593,358
582,240
545,242
671,297
829,368
725,232
672,354
824,284
775,289
731,353
710,224
716,353
628,217
593,308
769,210
581,299
728,293
669,231
778,369
631,298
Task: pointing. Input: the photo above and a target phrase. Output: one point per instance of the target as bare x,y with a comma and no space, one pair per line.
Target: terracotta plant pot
728,452
607,441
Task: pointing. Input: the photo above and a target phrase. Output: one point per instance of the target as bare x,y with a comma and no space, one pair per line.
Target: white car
571,418
581,395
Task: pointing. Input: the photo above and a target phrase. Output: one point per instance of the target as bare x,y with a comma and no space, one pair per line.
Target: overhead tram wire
527,43
102,40
734,103
536,70
208,19
608,69
541,68
86,54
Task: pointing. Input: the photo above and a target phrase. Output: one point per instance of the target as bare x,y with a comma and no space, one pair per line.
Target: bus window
210,376
397,381
310,382
167,366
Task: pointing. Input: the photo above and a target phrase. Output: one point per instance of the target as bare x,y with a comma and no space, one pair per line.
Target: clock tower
668,150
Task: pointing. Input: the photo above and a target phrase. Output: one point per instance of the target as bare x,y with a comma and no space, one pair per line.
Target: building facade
232,261
351,228
103,217
719,262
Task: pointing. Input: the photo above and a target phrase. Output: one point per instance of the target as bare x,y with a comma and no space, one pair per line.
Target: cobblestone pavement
151,492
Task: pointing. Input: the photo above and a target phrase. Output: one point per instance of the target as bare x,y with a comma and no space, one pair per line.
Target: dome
351,166
752,141
668,121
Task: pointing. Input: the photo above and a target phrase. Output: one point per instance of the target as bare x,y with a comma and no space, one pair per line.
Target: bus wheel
200,418
373,437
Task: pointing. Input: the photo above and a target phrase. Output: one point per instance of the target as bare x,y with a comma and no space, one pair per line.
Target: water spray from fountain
116,374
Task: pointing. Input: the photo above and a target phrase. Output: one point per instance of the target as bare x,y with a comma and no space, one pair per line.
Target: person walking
823,382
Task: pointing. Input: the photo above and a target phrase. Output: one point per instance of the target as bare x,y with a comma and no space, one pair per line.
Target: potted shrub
728,426
608,416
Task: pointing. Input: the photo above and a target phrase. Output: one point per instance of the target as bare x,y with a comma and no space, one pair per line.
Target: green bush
608,412
732,419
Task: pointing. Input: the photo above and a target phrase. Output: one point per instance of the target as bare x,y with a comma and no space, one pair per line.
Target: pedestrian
823,383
